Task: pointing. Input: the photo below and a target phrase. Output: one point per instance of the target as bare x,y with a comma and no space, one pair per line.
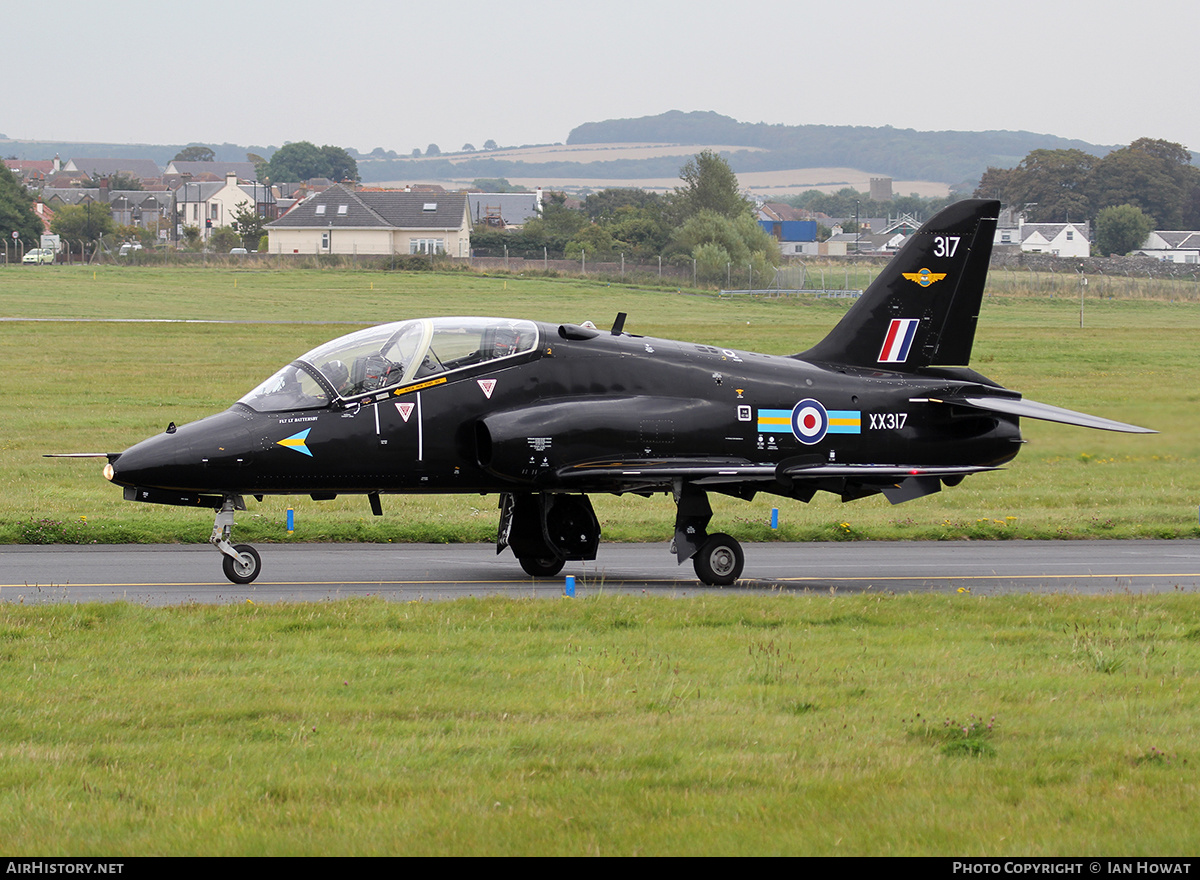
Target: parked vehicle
39,256
129,247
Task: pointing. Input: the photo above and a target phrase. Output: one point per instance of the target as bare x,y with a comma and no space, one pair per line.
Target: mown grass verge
796,725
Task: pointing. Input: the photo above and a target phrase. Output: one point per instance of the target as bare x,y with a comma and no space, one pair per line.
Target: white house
1059,239
210,204
1172,247
342,221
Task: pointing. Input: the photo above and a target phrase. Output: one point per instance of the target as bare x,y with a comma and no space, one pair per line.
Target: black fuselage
527,421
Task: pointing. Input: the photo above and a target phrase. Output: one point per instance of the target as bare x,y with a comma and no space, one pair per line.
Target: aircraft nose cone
187,457
144,464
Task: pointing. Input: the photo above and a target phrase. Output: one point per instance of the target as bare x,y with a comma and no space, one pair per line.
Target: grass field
794,725
101,386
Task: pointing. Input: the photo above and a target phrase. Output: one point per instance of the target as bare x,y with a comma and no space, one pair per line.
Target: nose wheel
240,562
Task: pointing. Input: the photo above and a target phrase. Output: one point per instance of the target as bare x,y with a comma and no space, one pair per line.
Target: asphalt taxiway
180,574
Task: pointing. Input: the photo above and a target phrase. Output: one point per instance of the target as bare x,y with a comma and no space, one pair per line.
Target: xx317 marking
888,421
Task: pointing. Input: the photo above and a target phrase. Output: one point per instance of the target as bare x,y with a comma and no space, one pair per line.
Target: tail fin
922,309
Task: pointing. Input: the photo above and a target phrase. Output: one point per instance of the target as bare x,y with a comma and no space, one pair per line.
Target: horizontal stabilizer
1031,409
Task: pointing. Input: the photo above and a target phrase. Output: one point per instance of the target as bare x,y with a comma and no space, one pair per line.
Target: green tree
86,222
130,232
303,160
195,153
16,211
722,245
602,206
222,239
557,225
260,165
122,181
1120,229
192,240
342,166
1051,185
593,240
709,185
248,225
433,150
1154,175
643,232
998,183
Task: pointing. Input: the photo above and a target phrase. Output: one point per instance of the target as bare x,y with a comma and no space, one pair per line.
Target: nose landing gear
240,562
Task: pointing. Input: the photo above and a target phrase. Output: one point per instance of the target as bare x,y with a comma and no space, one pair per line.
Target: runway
178,574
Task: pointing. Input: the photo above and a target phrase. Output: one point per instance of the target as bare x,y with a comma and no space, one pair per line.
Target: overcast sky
399,75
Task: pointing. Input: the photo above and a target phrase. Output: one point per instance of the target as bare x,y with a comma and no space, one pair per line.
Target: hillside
947,156
648,151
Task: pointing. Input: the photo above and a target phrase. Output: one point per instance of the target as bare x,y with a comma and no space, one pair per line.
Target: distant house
142,169
56,197
792,235
148,210
781,211
342,221
177,168
210,204
33,172
44,213
1172,247
504,210
840,244
1059,239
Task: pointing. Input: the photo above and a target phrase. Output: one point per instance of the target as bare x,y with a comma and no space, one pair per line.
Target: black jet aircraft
545,414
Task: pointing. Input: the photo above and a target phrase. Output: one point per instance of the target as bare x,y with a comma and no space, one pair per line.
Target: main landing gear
239,561
546,530
717,558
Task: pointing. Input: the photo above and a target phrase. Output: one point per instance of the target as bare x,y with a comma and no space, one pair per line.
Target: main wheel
548,567
245,568
719,560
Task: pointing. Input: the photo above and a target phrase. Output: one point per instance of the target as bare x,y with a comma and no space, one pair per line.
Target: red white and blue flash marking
899,340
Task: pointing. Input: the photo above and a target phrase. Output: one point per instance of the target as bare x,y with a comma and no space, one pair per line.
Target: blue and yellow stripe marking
775,421
845,421
779,421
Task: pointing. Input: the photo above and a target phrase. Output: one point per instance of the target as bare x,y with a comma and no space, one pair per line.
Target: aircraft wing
633,473
1031,409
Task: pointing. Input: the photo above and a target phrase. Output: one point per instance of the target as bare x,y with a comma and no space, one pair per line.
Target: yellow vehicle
39,256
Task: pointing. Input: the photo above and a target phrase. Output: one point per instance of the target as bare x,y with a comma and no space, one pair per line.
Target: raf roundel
810,421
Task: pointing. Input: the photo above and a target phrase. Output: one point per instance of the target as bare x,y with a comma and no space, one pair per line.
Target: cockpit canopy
389,355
